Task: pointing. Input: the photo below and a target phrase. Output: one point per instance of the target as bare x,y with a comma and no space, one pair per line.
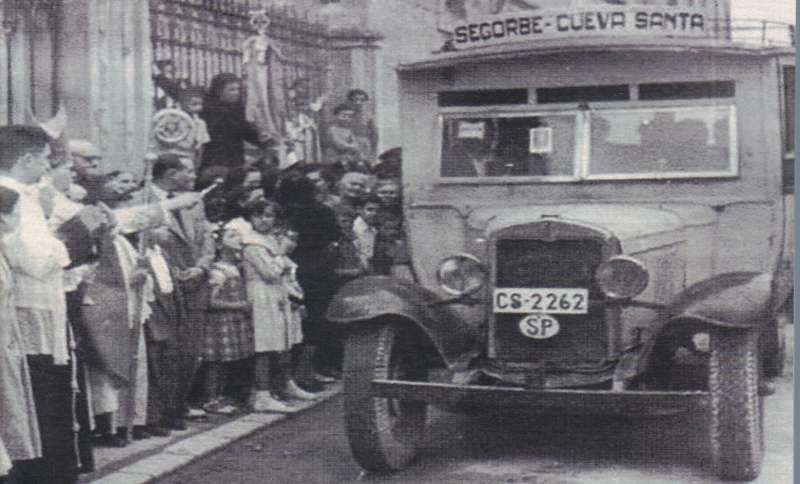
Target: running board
583,401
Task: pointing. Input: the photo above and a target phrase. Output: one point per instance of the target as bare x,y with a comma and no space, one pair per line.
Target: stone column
15,59
6,31
105,80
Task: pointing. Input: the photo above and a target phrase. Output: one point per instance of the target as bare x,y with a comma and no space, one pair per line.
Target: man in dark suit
174,331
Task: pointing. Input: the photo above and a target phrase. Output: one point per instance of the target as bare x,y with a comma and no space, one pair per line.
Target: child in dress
228,335
264,270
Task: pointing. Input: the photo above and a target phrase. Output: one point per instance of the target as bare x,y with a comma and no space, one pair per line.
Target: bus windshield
642,143
541,145
661,142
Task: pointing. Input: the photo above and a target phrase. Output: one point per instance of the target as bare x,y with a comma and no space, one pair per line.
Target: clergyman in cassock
175,328
37,259
59,186
116,306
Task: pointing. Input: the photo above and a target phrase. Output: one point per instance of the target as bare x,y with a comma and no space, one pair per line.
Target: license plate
550,301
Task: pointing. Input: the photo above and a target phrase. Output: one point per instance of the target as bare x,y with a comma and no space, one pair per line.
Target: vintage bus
597,214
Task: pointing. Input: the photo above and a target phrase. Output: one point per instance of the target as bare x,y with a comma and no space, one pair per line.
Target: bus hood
635,227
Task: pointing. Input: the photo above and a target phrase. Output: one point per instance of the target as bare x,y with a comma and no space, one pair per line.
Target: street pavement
498,447
146,460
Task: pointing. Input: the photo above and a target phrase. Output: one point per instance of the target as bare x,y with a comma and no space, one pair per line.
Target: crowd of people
133,304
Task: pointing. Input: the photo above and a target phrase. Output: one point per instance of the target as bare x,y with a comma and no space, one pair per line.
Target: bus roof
589,44
751,37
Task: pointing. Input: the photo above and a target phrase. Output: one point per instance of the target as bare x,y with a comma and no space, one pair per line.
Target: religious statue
263,74
279,102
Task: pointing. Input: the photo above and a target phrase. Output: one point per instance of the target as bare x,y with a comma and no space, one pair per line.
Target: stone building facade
92,56
96,57
408,31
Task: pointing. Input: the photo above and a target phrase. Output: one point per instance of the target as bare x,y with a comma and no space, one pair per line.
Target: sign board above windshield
599,21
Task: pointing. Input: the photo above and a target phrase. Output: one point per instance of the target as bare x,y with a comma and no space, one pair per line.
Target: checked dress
228,334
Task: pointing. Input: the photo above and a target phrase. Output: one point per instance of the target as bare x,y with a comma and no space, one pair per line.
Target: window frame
520,112
733,162
582,140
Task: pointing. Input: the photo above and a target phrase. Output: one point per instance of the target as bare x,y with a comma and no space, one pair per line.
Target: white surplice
37,259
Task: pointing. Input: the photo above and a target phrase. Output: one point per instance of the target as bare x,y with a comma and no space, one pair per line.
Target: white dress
264,268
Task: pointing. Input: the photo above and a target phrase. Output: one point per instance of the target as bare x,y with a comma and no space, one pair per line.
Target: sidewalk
147,460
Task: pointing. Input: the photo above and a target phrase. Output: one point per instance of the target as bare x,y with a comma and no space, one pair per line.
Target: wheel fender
730,300
734,301
363,300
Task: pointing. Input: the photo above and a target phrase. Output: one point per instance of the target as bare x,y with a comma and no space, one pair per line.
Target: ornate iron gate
203,38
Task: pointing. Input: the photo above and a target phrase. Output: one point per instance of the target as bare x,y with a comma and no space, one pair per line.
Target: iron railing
758,32
204,38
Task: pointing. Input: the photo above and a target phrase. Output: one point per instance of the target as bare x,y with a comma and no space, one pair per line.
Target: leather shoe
108,440
157,431
195,414
264,401
141,433
293,391
177,424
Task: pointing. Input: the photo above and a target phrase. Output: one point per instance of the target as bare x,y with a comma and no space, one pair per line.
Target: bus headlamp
622,277
461,275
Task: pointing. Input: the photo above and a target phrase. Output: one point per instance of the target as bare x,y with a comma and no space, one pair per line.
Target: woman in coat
317,231
224,114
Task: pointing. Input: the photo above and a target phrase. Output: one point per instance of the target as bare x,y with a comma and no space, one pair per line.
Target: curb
182,453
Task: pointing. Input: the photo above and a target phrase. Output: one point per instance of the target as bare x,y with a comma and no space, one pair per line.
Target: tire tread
374,446
736,413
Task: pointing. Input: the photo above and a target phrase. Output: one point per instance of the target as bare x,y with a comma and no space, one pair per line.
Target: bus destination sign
639,20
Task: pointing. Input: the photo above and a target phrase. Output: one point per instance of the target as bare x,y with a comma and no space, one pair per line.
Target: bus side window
788,122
